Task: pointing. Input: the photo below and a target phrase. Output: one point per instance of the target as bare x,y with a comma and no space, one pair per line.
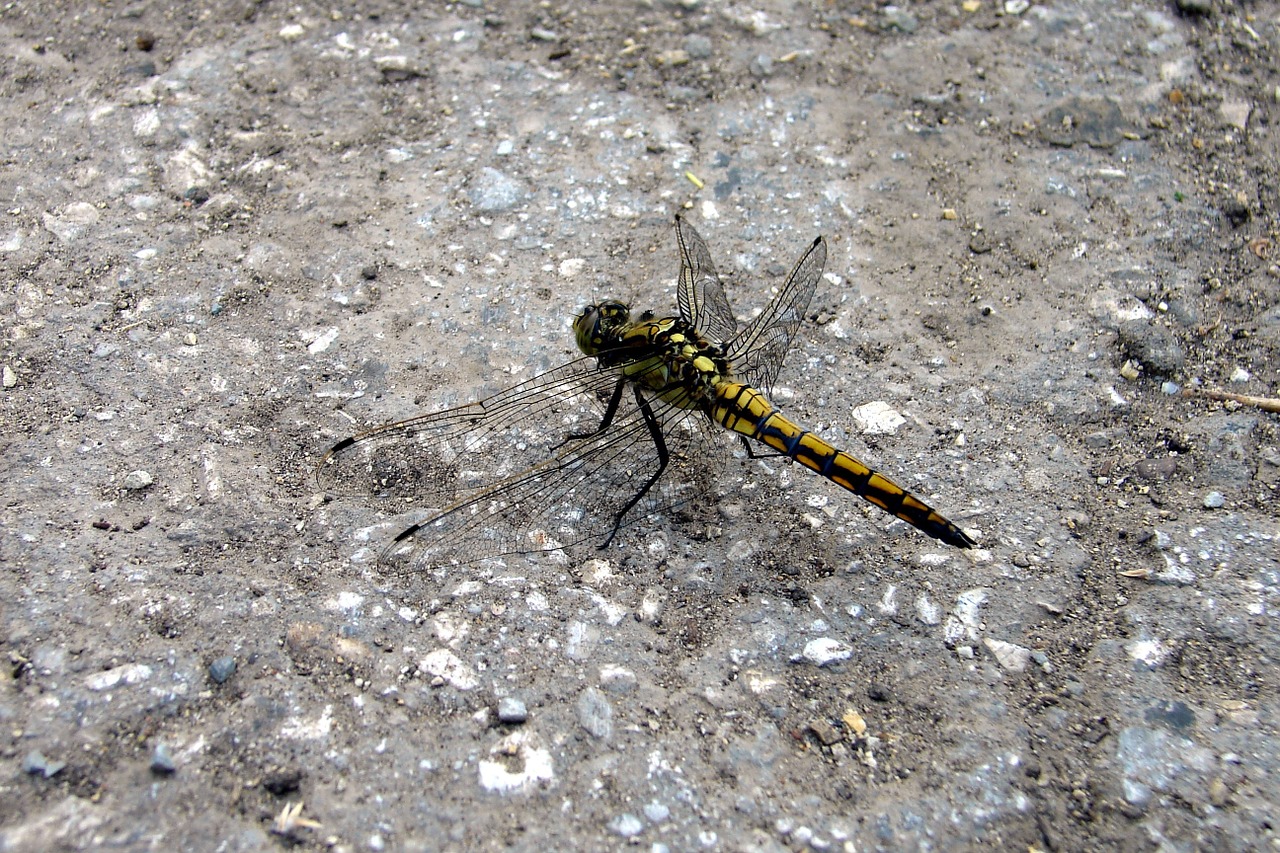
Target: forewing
437,459
505,475
574,497
757,353
700,293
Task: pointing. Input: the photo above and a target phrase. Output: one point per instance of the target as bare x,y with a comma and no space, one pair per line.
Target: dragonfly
625,431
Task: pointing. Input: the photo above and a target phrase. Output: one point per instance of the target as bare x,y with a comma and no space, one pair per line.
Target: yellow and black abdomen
746,411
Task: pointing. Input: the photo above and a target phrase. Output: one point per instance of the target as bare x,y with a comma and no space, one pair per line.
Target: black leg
751,453
610,411
655,432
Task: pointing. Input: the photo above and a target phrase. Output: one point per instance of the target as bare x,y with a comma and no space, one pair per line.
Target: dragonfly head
597,327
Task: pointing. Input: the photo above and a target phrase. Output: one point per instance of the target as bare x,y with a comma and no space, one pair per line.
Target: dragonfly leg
751,451
610,411
660,443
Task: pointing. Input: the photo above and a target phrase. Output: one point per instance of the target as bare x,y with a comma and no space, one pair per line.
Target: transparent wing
756,354
432,459
468,468
700,294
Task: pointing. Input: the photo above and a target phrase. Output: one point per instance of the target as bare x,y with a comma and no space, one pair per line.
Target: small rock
656,812
672,57
512,711
137,480
1240,375
626,825
222,669
824,651
698,47
36,764
396,69
877,418
1010,656
1214,500
1097,122
1156,469
1020,559
10,378
878,692
1236,113
1236,212
1153,345
826,733
495,191
283,781
895,18
595,714
761,66
162,761
1195,7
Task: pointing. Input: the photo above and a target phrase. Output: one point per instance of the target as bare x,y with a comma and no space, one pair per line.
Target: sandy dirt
235,232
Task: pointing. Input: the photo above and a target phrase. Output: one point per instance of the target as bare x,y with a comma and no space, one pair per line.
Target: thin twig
1267,404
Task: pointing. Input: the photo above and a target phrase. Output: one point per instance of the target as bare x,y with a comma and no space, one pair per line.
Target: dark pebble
162,761
1097,122
222,669
283,782
1236,213
1156,469
877,692
1153,345
512,711
35,763
1195,7
1173,714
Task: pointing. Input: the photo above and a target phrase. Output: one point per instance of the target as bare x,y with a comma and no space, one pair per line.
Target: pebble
222,669
877,418
824,651
698,47
1153,345
137,480
896,18
595,714
1097,122
35,763
1214,500
761,66
512,711
1010,656
1195,7
672,57
10,378
656,812
627,825
162,761
1156,469
495,191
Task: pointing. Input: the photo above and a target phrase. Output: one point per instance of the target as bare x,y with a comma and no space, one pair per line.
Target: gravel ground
235,232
